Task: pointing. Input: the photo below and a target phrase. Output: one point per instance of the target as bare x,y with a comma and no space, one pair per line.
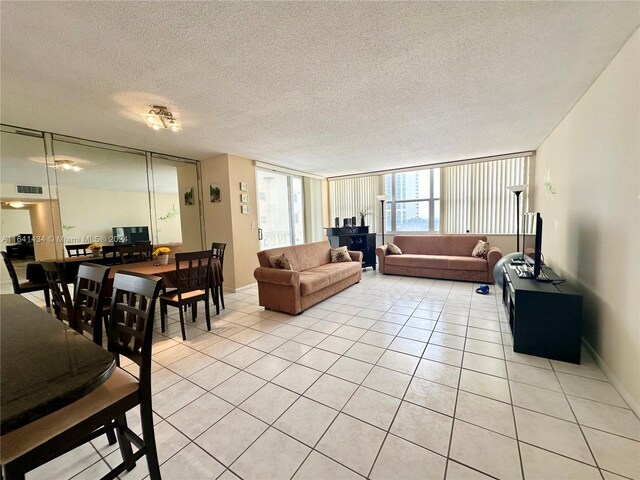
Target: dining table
35,272
44,364
166,272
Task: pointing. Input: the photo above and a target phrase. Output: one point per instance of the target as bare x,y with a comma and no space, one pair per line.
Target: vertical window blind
475,196
348,196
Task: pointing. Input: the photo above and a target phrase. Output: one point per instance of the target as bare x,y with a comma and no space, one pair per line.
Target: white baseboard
633,405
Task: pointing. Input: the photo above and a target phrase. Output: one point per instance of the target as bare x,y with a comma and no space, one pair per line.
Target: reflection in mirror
100,189
176,204
30,211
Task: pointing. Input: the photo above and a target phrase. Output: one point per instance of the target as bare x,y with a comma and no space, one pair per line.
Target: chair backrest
88,299
218,251
193,272
135,253
110,255
77,249
60,296
130,328
12,272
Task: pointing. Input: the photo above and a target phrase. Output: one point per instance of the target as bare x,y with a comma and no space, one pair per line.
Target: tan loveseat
439,256
312,279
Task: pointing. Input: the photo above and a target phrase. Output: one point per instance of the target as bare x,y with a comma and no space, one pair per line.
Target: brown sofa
312,279
439,256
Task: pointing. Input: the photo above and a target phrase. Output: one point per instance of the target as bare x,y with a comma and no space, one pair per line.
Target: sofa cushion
481,249
301,257
320,277
393,249
339,255
442,262
281,262
468,263
422,261
458,245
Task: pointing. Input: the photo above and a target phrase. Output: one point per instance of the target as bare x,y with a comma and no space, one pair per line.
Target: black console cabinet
357,239
545,319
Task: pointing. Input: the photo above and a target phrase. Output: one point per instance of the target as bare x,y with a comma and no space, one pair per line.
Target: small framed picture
244,197
188,196
244,187
244,209
214,192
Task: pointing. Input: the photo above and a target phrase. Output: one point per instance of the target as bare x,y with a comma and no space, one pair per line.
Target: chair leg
184,333
111,435
221,296
149,438
207,314
125,445
216,300
163,312
47,297
12,472
194,311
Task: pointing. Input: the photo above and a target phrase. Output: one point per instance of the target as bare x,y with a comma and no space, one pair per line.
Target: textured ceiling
323,87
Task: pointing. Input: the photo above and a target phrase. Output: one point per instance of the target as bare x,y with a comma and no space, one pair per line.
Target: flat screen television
130,235
532,241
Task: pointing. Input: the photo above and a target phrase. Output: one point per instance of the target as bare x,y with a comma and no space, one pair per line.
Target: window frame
393,202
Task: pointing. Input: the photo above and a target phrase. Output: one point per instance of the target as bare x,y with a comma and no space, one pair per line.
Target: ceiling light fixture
16,204
66,165
160,117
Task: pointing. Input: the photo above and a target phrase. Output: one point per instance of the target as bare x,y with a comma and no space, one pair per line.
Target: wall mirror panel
66,191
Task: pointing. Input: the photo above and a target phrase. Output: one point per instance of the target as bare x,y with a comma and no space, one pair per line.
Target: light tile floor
394,378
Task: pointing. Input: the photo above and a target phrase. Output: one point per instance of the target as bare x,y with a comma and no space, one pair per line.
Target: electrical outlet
253,224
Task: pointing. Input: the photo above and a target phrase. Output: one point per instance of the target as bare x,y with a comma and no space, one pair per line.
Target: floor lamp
517,190
381,199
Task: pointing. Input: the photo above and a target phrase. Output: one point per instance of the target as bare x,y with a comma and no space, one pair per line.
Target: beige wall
217,216
592,223
47,230
224,221
245,230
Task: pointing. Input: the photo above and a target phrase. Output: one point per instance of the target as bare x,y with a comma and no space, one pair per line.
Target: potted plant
163,255
96,249
364,213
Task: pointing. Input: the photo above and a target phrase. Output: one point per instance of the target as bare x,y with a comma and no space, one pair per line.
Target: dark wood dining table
44,364
35,272
166,272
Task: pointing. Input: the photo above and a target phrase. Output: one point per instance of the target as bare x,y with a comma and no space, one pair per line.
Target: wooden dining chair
217,295
60,296
77,249
193,280
88,300
110,255
24,287
130,334
135,253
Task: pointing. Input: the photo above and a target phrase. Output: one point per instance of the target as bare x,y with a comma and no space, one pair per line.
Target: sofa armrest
381,253
355,256
277,276
493,255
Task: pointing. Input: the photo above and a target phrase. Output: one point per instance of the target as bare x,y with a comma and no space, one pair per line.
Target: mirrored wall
72,191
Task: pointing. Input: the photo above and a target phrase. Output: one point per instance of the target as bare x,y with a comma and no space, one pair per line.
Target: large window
468,197
413,201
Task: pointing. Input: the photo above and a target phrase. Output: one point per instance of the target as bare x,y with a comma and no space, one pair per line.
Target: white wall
93,212
15,221
592,224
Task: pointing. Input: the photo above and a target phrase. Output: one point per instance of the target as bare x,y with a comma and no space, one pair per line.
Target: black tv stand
545,317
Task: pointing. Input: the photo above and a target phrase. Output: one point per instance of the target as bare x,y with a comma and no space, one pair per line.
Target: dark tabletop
44,365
